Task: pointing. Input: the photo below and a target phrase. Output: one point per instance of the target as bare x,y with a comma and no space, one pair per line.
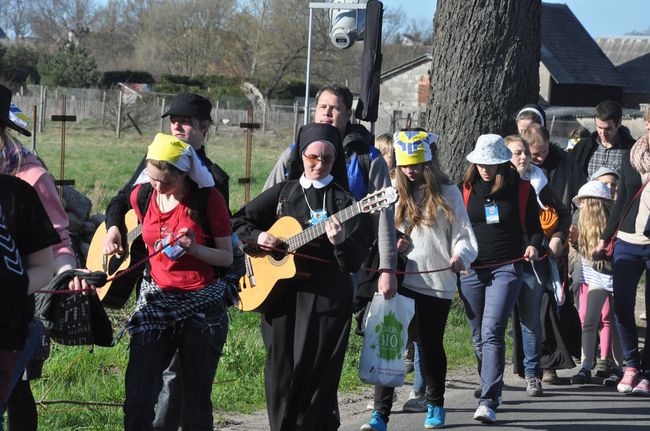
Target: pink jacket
33,172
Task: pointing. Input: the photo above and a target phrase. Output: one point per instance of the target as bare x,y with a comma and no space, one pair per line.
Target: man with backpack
367,172
189,119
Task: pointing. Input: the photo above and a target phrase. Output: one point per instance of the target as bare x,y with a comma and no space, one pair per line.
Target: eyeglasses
314,159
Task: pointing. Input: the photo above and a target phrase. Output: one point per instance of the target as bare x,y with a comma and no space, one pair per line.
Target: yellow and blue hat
413,146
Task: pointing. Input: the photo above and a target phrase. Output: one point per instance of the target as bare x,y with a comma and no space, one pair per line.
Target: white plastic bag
386,334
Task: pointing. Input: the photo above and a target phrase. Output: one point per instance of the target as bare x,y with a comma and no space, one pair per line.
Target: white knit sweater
433,246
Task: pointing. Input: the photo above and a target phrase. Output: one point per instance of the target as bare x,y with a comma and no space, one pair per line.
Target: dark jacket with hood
584,149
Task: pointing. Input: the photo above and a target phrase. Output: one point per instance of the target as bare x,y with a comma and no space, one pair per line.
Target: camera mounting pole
312,6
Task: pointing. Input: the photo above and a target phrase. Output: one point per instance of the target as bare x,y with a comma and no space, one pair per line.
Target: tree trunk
485,67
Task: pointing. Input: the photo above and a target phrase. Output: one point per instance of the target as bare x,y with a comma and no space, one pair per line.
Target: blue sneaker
376,423
435,417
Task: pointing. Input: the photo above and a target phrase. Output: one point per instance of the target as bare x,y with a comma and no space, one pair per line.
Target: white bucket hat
592,189
603,170
489,150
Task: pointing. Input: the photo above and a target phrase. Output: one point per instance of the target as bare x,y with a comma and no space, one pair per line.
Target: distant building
573,70
404,90
631,56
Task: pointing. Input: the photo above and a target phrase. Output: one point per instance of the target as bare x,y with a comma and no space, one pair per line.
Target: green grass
100,165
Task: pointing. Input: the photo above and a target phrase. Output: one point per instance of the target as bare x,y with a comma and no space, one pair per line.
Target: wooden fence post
119,115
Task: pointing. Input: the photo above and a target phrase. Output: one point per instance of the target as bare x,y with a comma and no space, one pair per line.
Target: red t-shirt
187,272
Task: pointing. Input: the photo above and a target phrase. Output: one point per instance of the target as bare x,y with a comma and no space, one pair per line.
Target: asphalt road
563,407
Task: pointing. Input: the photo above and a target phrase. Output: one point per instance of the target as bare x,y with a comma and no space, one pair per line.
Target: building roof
415,62
631,56
570,54
584,111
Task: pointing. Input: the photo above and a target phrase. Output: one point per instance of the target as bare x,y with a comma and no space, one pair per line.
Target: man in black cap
189,120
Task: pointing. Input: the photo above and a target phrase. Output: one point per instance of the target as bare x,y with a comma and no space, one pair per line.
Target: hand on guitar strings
113,241
266,241
335,231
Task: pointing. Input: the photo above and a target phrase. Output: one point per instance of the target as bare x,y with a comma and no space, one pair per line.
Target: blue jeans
199,341
630,260
489,297
419,386
34,330
529,303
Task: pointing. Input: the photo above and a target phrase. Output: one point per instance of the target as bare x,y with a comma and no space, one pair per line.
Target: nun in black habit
306,328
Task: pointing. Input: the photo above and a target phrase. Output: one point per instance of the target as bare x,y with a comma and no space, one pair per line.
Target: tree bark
485,67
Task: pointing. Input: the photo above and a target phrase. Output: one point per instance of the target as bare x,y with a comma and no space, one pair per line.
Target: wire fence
120,109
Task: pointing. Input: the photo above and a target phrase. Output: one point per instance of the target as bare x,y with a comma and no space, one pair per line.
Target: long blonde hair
15,147
409,210
593,218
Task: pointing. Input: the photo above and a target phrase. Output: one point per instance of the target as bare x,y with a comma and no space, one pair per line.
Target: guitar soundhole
114,263
278,255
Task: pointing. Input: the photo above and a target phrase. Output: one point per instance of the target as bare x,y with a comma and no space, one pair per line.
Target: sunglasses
314,159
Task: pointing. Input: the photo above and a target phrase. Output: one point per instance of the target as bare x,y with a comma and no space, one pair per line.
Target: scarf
640,154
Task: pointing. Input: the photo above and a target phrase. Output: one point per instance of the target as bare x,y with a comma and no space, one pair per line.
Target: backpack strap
142,200
466,193
524,190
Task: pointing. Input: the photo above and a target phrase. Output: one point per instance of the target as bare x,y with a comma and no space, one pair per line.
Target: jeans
34,329
489,297
630,260
419,385
199,341
529,303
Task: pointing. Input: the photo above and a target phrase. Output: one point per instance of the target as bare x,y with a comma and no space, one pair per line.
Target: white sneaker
485,414
371,403
417,403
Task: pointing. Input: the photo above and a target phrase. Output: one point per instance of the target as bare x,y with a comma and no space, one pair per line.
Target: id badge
318,216
491,213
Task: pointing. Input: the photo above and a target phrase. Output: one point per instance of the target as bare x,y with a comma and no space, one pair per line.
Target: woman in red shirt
181,304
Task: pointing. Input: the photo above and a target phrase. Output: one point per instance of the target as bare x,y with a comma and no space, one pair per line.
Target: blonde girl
596,283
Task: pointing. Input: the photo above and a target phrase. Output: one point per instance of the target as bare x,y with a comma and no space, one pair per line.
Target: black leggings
21,408
431,317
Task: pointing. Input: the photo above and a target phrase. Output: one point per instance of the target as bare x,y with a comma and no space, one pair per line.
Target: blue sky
600,18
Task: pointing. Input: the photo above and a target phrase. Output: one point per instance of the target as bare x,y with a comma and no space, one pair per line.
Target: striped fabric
593,278
18,117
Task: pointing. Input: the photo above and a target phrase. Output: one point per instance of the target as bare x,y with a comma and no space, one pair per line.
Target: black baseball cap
190,105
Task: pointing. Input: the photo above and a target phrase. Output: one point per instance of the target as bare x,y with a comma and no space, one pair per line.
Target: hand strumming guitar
113,241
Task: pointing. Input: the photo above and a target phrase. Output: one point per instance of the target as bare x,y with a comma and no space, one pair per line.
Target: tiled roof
570,54
631,55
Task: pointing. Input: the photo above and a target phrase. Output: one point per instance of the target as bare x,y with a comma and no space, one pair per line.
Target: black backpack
198,204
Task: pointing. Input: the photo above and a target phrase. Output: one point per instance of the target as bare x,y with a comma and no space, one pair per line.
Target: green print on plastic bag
391,345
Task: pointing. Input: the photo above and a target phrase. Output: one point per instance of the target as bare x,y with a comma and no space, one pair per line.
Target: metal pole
307,83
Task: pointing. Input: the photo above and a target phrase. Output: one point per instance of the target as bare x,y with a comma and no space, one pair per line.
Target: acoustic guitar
116,293
266,271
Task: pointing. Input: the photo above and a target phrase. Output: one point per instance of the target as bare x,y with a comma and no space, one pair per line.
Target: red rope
448,268
115,277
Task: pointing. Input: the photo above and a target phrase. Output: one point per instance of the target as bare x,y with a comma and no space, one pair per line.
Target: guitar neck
313,232
133,234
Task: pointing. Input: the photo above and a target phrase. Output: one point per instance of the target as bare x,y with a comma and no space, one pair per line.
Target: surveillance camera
347,24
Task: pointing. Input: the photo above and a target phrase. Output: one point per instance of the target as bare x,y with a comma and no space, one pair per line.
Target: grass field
100,165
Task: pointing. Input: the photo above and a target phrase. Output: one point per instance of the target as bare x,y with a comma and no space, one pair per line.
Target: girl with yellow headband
438,234
181,304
